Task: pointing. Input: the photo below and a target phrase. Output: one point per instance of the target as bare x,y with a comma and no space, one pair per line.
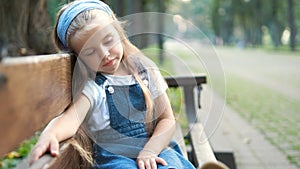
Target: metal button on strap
146,82
111,90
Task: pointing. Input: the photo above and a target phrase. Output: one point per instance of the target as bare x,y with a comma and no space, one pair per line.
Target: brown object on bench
35,89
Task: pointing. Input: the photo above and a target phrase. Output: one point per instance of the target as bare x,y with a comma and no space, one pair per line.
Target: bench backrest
32,91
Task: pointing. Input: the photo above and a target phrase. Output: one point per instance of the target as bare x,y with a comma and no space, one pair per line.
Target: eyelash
108,41
89,52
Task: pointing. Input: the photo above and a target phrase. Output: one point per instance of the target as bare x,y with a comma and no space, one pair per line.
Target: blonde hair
84,73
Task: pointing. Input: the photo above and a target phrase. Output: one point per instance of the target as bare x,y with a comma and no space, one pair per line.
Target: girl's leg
174,160
107,160
115,162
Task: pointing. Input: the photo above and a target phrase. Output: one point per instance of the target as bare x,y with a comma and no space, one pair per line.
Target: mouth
110,62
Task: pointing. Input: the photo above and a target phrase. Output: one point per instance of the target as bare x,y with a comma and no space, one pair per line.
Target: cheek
94,66
92,63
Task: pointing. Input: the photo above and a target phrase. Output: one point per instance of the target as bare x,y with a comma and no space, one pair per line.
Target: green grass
254,101
152,52
281,49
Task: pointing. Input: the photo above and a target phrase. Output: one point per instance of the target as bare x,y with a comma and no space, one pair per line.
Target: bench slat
179,81
201,149
44,162
36,89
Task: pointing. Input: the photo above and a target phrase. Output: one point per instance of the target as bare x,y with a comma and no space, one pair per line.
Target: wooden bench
35,89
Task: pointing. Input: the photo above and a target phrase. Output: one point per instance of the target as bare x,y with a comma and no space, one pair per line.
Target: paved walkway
227,130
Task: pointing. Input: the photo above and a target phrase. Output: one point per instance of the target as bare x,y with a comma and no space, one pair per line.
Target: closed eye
88,52
108,40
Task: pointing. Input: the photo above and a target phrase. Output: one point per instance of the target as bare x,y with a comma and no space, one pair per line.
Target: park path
278,71
250,147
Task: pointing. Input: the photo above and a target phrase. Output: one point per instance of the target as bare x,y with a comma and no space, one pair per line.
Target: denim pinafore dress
118,146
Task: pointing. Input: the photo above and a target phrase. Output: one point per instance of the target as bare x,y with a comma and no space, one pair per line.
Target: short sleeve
98,116
90,92
157,84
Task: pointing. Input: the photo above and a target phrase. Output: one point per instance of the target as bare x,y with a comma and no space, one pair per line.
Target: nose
103,52
106,54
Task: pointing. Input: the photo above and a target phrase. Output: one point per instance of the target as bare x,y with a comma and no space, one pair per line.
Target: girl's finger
147,164
161,161
54,148
36,153
153,163
141,164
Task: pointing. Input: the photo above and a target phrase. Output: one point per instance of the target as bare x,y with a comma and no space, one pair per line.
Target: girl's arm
61,128
162,134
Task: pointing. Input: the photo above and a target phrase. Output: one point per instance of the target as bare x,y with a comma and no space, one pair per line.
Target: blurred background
243,23
255,42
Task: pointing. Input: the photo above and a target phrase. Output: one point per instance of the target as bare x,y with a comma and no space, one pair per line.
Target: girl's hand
149,160
45,143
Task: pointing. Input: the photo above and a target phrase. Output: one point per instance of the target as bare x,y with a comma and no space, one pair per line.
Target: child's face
98,45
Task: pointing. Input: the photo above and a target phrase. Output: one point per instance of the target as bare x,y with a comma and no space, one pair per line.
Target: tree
291,20
25,27
249,15
216,17
275,20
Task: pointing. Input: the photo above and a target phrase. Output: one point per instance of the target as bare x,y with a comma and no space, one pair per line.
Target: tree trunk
160,24
25,28
291,20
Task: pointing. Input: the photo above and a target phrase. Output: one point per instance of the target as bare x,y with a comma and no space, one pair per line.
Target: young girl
119,95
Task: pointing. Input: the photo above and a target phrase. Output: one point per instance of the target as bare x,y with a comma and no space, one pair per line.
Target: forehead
100,18
101,21
93,32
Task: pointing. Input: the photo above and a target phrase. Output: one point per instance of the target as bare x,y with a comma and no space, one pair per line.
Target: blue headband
72,11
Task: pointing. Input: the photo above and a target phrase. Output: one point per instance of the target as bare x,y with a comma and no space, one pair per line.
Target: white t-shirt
98,115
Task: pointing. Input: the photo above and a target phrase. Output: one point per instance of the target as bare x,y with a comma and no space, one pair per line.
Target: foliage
250,16
194,11
15,157
53,7
243,22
